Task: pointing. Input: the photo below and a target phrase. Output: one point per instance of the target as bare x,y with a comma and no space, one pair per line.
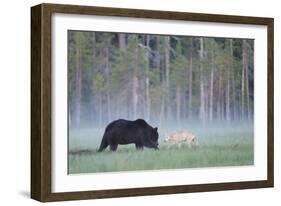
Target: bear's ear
156,128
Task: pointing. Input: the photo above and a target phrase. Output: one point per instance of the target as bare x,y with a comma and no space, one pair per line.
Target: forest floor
232,146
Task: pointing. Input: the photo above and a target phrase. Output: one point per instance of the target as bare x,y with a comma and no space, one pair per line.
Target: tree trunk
219,98
228,91
161,80
228,101
178,103
92,98
243,80
202,95
78,87
122,40
135,96
222,104
121,109
211,95
135,84
158,57
167,74
69,115
162,110
108,99
233,82
147,92
234,106
246,61
190,80
100,109
211,83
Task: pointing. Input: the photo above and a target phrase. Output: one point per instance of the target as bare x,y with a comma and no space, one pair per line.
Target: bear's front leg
113,148
139,147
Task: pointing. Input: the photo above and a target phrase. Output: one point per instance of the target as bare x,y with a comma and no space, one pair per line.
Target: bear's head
153,140
155,135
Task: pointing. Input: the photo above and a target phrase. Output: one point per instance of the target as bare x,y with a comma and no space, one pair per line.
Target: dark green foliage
137,79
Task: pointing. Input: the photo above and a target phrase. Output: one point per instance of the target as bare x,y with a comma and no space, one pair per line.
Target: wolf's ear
156,128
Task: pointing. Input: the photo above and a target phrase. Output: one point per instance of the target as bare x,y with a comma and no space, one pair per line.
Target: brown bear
123,132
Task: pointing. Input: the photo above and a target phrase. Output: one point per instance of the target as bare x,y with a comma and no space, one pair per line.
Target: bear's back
141,122
128,124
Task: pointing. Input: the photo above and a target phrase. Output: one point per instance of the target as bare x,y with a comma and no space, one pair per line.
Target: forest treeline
158,78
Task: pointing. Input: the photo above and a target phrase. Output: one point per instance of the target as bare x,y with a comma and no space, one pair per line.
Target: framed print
128,102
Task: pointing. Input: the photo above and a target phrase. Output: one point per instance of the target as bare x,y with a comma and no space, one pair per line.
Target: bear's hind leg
113,147
103,145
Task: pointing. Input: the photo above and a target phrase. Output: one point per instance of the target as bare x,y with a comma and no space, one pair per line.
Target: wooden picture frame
41,116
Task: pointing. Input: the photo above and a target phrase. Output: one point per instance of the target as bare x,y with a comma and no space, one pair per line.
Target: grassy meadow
174,82
230,146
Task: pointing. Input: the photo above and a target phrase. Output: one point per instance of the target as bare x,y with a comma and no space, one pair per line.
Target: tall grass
227,147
